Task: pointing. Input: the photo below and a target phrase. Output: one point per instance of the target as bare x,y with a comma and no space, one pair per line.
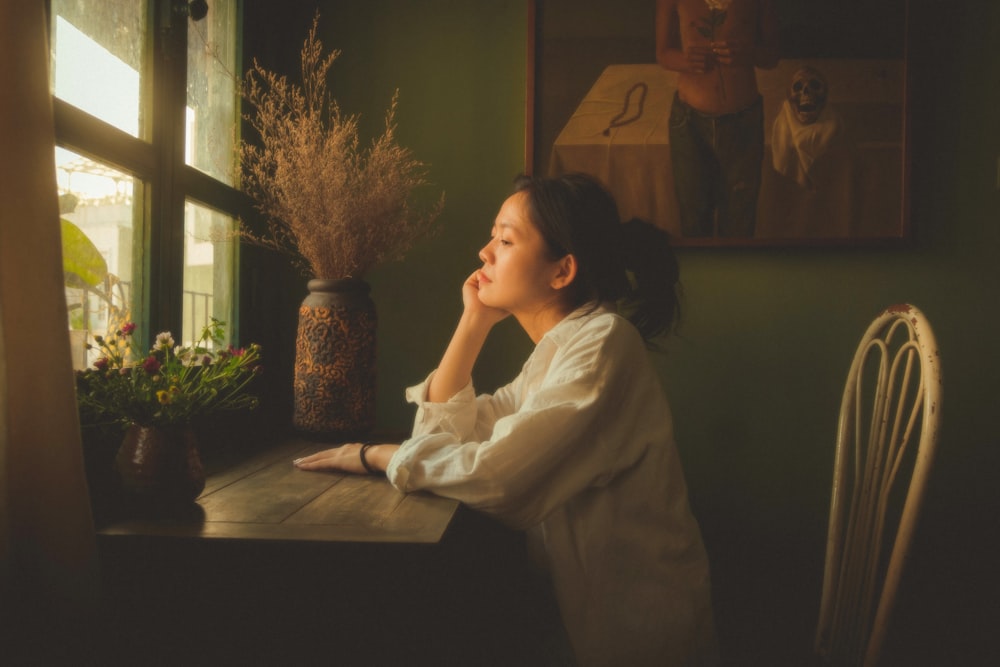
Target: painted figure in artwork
807,127
717,116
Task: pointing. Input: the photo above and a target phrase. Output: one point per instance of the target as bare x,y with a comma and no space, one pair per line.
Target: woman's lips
483,278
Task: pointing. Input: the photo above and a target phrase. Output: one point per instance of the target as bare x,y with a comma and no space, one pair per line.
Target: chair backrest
886,437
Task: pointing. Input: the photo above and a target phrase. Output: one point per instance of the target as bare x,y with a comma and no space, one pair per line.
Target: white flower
718,5
185,355
164,341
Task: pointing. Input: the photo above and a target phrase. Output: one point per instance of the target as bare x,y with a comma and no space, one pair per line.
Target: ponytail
653,303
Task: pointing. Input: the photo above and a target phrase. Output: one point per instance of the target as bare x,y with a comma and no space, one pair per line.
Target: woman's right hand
478,311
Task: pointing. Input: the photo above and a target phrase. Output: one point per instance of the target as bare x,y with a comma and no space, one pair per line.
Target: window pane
98,207
97,58
211,99
208,270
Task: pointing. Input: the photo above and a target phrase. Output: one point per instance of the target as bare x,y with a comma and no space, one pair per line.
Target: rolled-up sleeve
525,459
456,416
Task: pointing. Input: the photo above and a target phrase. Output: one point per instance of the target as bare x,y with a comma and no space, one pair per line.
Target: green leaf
82,261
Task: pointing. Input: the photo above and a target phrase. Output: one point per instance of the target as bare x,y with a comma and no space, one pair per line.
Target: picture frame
592,65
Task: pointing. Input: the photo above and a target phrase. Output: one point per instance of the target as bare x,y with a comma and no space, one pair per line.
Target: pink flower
128,328
151,365
101,364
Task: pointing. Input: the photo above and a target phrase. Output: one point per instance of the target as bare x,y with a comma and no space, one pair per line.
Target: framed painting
809,148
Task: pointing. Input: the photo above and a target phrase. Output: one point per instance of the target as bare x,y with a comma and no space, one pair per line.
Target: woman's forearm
379,456
455,369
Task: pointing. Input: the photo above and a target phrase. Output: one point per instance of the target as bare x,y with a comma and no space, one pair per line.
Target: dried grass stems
338,209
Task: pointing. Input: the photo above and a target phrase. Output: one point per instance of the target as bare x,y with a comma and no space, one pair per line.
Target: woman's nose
486,254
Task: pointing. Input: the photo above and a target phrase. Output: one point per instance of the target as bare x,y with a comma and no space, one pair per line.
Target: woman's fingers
337,458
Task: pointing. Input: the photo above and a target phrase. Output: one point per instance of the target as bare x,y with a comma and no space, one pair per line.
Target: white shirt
579,451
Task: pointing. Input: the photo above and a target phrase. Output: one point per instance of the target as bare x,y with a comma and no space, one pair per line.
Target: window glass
98,207
102,67
211,92
97,58
208,270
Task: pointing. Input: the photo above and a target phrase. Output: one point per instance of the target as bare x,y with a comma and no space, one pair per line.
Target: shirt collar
572,323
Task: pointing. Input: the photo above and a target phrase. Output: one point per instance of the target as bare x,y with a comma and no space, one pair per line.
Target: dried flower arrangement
337,208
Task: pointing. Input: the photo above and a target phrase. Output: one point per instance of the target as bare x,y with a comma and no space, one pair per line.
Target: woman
578,450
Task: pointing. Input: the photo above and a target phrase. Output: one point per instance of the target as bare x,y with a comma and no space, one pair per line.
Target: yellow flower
164,397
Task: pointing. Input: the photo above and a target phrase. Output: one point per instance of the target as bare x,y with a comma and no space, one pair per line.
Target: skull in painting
807,94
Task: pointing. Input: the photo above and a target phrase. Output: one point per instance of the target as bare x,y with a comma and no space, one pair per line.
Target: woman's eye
504,242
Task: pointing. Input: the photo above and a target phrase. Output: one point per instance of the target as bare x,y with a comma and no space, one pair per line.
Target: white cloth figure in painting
806,127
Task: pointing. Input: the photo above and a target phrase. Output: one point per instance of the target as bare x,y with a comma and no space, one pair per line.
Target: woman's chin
487,301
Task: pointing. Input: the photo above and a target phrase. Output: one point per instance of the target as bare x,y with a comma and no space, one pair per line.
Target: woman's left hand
347,458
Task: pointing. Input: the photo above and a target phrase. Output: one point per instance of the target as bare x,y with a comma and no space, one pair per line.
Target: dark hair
632,263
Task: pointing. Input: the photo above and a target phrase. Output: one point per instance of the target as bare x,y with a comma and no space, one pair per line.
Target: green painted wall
460,71
756,373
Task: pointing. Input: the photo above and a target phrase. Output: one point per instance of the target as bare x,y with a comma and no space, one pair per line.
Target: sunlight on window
211,97
208,269
96,59
101,67
97,207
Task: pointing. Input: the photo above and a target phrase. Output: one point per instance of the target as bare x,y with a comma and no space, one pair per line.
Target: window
147,119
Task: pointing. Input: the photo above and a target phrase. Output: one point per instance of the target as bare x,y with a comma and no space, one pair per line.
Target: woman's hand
478,311
455,369
347,458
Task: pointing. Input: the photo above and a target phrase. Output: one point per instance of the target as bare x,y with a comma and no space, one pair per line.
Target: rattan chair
886,437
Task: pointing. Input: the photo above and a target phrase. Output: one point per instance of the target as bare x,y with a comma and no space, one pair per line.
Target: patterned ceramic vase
334,384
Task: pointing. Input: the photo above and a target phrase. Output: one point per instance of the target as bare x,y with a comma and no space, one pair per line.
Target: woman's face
517,274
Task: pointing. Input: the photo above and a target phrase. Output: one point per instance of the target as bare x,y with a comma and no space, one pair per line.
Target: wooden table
276,565
265,497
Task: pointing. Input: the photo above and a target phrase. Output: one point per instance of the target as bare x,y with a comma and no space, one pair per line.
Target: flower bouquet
169,385
156,397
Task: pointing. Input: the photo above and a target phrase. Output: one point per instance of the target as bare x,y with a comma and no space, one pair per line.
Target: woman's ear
565,272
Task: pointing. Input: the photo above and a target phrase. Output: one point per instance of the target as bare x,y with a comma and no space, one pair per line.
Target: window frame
159,168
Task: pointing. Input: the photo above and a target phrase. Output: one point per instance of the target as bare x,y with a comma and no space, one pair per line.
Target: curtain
48,562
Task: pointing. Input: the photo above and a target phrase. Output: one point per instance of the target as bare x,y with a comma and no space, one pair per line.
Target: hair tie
364,459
